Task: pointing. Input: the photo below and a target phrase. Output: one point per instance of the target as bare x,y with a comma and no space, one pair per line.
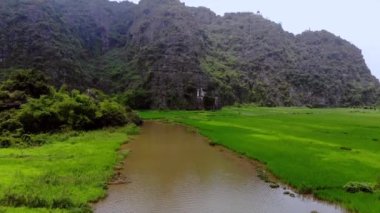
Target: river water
174,170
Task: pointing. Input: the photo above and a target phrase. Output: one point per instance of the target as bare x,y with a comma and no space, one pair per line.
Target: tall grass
67,173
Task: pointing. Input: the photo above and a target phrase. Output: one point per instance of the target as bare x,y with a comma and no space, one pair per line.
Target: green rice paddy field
64,175
317,151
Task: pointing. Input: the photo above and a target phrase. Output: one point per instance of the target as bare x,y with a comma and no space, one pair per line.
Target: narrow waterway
172,170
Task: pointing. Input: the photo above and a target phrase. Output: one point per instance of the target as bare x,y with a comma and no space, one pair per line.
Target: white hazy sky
354,20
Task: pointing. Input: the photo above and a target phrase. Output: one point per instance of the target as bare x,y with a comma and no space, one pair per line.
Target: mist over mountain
163,54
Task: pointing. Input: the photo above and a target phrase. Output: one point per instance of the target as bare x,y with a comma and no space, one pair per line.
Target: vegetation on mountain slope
167,52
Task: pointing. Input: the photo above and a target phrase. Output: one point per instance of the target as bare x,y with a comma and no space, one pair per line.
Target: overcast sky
354,20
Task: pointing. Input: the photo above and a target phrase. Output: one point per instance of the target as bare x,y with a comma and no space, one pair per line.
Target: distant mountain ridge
163,53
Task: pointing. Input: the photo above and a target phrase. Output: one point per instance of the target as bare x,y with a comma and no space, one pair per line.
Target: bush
32,83
36,117
209,103
58,110
4,95
133,117
48,110
72,110
6,142
9,122
76,111
136,99
111,114
11,125
354,187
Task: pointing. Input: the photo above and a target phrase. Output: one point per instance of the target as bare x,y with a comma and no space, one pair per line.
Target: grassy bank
65,174
315,150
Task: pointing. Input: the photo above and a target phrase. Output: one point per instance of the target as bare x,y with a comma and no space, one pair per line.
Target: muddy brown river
173,170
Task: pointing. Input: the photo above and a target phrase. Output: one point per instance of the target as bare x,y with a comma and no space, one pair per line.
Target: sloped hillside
163,54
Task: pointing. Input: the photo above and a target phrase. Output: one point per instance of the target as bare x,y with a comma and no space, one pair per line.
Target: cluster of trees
30,105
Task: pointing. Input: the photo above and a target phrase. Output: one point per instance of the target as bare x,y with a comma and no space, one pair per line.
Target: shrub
305,189
58,110
48,110
76,111
209,103
72,110
4,95
133,117
10,125
31,83
354,187
5,142
8,141
111,114
37,117
18,95
137,99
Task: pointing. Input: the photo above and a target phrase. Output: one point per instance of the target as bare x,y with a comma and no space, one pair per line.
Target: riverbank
317,151
172,169
69,171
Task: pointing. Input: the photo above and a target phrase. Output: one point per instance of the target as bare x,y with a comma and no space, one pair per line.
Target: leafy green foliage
136,99
209,103
9,122
21,85
31,83
111,113
58,110
5,142
354,187
72,110
45,109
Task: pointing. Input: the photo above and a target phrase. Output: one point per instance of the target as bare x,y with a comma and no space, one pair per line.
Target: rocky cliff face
167,45
167,53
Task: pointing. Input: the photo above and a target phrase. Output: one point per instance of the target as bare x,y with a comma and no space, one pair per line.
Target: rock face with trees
160,53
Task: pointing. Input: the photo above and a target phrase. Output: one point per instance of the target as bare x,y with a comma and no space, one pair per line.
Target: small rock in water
274,185
289,193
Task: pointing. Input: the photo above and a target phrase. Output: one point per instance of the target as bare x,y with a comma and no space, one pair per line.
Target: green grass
30,210
64,175
314,150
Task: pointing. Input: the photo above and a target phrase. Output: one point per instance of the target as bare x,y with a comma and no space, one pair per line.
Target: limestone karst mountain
164,52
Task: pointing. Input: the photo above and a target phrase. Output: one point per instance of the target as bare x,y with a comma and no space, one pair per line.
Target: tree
32,83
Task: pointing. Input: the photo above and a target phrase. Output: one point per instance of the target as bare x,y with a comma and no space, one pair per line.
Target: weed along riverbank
333,154
172,169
